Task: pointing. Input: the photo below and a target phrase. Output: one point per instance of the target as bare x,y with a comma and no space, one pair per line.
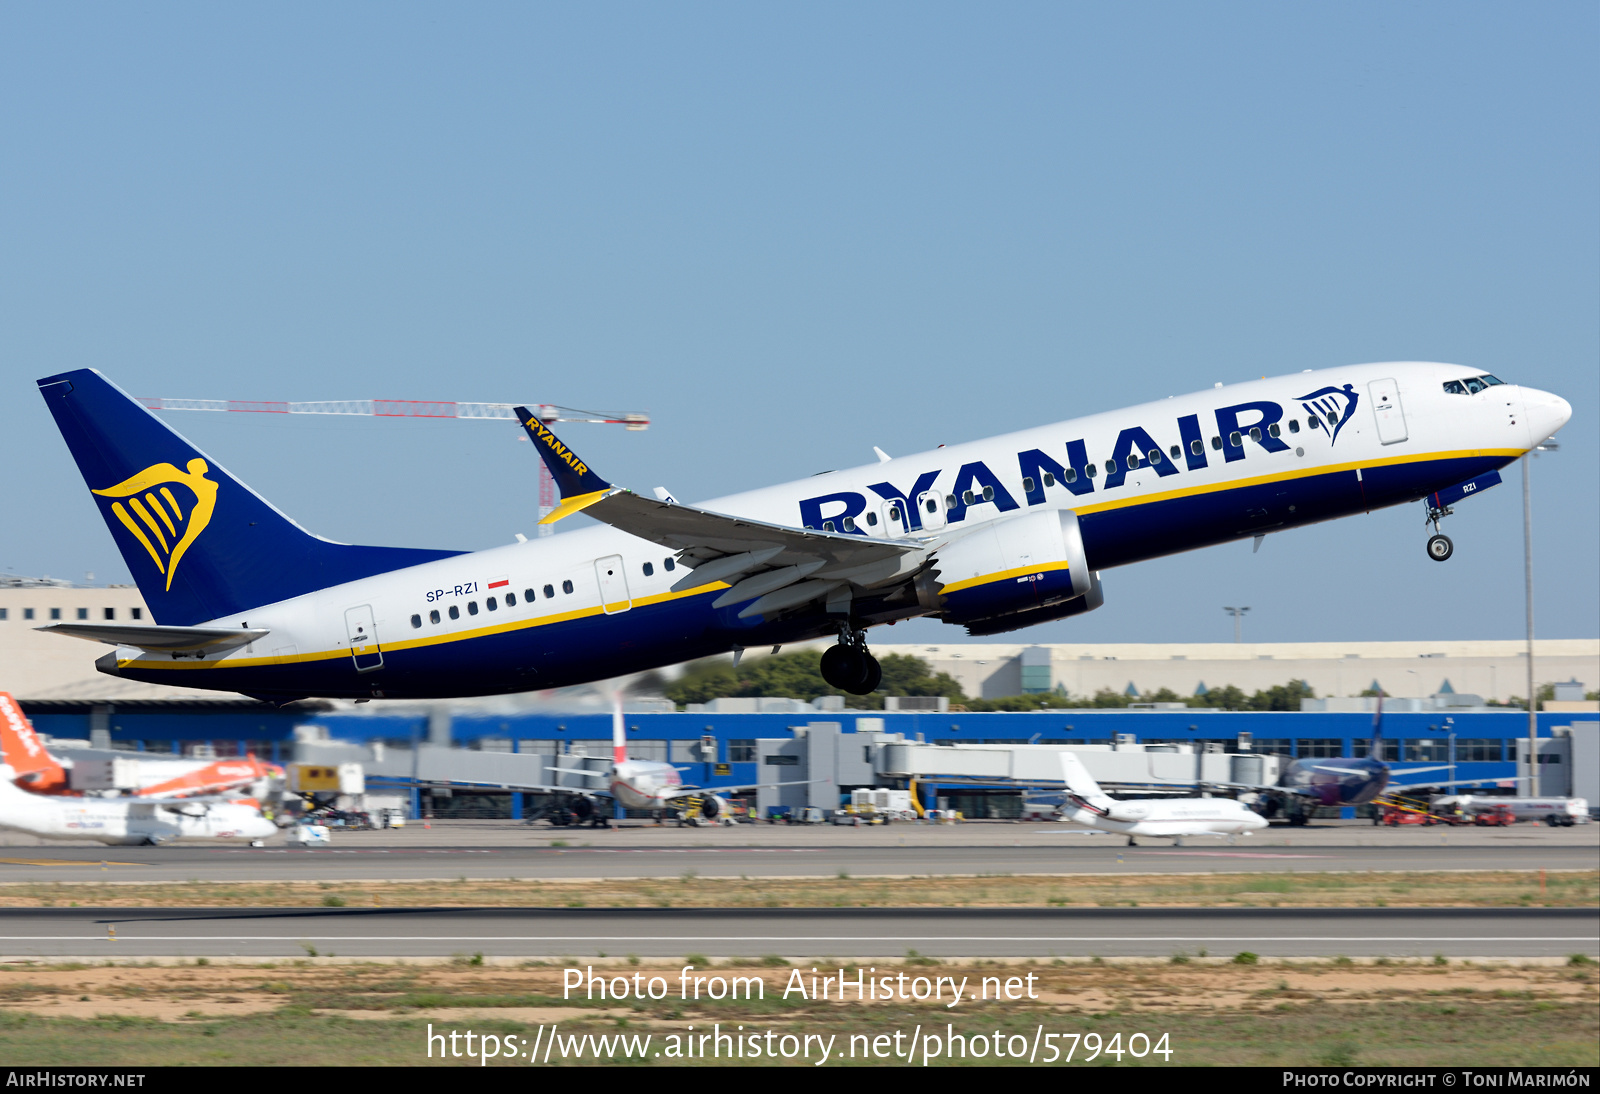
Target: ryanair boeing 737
993,535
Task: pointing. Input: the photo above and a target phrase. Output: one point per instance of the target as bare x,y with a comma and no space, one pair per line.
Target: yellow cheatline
1284,476
417,643
573,504
1003,575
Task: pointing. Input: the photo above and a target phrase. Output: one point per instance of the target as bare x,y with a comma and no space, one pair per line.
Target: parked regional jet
113,820
1174,818
992,535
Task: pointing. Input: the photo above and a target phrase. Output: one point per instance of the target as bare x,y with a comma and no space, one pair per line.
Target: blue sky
793,231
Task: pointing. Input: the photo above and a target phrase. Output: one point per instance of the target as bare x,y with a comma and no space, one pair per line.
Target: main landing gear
1439,546
849,666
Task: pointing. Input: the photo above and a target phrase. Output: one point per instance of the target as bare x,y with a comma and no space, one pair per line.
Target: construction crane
420,408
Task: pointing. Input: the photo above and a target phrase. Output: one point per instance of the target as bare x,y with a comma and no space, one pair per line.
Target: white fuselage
646,784
1169,817
123,821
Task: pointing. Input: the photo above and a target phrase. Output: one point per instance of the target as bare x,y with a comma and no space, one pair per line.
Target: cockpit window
1475,385
1453,387
1490,380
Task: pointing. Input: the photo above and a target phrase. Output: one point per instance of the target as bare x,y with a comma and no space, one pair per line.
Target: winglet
579,486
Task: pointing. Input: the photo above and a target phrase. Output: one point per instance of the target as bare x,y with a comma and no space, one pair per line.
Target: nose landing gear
849,666
1440,547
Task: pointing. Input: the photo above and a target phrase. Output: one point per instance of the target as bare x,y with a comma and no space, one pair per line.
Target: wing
772,565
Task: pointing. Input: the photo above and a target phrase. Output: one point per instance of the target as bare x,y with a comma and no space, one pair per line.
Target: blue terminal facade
1482,744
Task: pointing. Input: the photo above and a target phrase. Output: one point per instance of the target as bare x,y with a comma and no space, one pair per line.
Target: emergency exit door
363,632
1385,395
613,578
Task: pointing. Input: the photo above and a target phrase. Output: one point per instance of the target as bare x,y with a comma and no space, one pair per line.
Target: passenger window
1071,475
1274,430
433,616
1175,451
872,520
1453,387
1294,425
949,502
1234,440
511,600
1133,460
550,591
1197,448
566,586
1255,433
416,622
1027,484
1333,417
1216,442
491,604
649,568
1111,466
849,524
1312,422
827,526
988,493
527,595
1050,480
1091,470
967,498
455,612
472,607
1155,455
668,565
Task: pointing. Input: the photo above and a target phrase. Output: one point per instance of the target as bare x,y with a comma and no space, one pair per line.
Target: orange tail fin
35,769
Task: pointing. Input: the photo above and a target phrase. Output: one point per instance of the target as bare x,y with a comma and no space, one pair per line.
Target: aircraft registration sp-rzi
992,535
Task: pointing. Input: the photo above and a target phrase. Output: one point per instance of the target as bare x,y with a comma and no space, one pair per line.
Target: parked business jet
1174,818
993,535
158,776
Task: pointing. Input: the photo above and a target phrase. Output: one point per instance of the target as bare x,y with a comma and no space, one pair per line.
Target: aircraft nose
1546,412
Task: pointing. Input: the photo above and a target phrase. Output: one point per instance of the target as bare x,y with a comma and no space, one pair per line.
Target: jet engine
1012,573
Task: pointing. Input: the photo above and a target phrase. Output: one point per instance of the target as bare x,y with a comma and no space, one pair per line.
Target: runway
1034,849
808,934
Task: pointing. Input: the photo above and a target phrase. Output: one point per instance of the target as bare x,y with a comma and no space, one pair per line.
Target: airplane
159,776
1089,806
636,784
991,535
118,821
1306,784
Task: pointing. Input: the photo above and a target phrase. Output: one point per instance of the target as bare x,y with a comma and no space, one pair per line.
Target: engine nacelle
1022,565
1088,602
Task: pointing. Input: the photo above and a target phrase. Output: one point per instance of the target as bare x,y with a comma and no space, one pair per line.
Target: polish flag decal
499,583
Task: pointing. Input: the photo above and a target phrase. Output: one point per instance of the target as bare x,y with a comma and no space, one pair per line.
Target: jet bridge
1112,766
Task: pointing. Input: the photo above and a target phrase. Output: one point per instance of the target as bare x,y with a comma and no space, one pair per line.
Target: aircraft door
614,596
363,632
930,509
1386,406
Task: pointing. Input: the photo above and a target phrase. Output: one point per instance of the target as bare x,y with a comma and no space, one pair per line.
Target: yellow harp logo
166,524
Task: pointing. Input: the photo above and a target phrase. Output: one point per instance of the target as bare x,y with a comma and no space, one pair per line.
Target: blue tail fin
200,543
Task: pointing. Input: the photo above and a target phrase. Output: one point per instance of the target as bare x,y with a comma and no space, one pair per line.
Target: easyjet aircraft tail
20,749
200,544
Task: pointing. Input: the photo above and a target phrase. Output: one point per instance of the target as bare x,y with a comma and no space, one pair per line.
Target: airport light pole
1527,569
1238,630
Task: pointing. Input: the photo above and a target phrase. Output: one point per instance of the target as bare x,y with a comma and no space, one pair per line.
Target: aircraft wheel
1440,548
873,676
848,669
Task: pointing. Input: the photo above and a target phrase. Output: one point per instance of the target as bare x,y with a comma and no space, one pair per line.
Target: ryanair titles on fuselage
1257,421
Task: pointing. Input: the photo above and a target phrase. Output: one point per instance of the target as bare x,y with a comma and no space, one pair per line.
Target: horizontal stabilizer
175,639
